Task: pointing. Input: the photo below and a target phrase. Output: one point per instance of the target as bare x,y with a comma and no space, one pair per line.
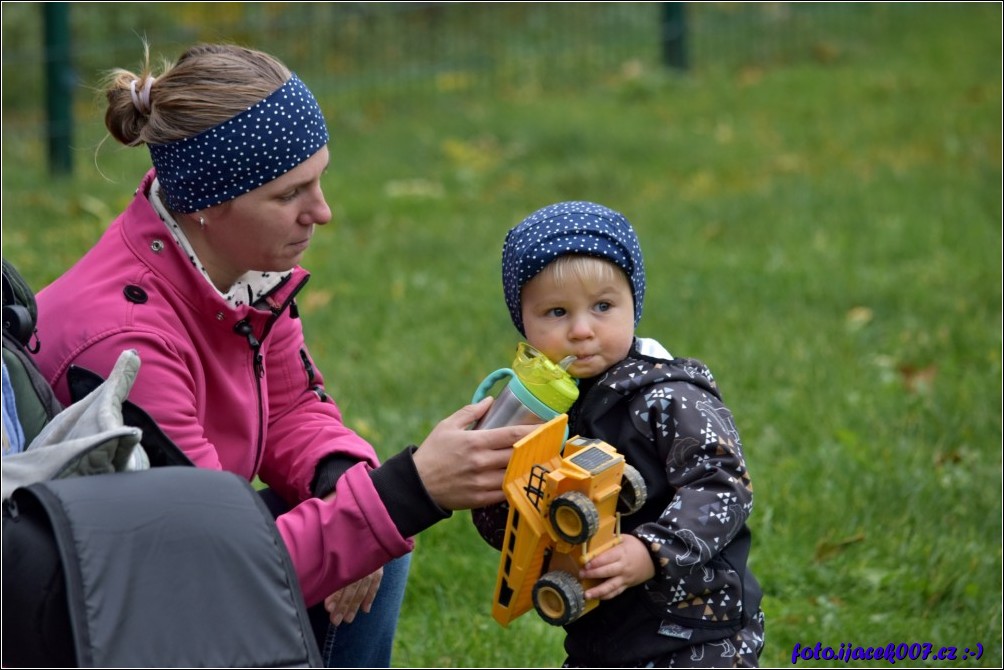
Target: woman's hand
463,468
345,603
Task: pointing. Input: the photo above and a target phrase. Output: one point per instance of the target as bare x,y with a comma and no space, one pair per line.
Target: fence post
674,35
59,81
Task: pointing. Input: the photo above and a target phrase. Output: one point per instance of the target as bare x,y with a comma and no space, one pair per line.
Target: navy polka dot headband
261,143
577,227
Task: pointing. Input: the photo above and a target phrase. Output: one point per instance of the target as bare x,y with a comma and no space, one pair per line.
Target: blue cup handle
482,391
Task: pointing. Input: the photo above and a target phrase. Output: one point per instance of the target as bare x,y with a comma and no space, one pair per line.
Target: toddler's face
586,315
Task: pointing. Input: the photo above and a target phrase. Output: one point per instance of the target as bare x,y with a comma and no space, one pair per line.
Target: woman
199,274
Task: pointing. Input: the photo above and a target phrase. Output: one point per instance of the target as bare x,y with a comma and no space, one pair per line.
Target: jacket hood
639,370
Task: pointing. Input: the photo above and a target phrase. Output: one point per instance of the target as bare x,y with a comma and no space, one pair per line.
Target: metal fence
53,53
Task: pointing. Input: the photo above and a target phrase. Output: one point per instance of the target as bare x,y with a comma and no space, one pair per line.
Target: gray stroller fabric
171,567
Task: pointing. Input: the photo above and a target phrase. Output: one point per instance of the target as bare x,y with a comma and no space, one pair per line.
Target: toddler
676,592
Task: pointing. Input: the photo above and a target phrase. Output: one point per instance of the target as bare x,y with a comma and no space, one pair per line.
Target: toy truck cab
565,501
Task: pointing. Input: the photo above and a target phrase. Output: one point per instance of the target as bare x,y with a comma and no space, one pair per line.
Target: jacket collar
146,234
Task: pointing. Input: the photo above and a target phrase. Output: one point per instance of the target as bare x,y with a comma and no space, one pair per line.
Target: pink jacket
235,389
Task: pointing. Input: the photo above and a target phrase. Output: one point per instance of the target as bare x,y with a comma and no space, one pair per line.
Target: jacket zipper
318,390
243,328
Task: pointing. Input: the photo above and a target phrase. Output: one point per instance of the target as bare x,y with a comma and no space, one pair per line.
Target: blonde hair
565,269
207,85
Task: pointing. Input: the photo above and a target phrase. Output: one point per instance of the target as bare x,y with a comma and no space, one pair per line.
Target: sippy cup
537,391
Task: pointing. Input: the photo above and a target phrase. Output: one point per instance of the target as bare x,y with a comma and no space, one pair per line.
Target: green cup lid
545,379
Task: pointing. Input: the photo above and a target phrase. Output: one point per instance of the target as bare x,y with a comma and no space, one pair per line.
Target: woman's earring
202,222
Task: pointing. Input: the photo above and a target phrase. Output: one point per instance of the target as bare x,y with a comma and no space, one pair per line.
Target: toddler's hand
625,565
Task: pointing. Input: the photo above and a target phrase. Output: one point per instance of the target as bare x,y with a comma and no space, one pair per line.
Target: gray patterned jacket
667,417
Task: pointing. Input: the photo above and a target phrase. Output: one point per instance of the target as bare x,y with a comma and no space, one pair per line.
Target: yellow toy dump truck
565,501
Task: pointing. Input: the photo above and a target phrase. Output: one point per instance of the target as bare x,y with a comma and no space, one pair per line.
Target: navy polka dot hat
261,143
575,227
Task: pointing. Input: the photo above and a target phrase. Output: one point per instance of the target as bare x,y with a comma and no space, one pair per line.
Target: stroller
117,551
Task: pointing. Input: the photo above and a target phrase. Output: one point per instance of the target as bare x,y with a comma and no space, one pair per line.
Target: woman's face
267,229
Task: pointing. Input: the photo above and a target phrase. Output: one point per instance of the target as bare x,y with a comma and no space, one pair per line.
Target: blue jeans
367,641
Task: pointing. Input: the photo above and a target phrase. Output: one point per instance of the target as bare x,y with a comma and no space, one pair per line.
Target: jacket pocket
710,598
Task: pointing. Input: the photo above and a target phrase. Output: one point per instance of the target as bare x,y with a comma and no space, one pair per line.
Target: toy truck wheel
633,491
574,517
558,598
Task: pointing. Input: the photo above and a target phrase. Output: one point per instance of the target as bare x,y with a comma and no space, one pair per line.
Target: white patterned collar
248,288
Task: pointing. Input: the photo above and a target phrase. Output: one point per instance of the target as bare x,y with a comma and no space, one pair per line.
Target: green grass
825,234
